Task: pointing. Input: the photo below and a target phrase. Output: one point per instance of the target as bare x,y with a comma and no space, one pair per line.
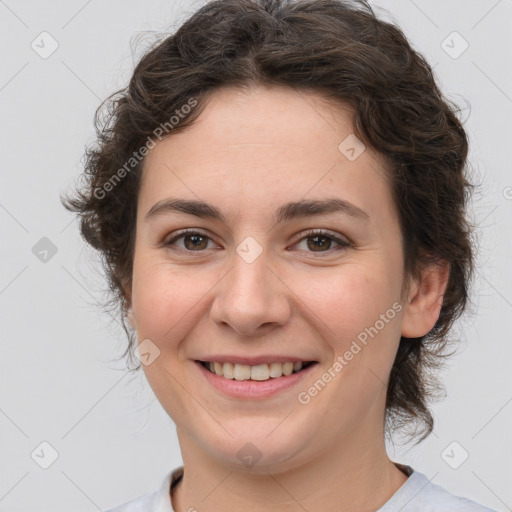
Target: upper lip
254,360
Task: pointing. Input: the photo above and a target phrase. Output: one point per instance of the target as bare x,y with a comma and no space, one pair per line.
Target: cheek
349,299
161,300
165,303
358,316
169,301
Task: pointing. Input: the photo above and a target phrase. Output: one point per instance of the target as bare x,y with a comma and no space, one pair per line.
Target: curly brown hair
342,50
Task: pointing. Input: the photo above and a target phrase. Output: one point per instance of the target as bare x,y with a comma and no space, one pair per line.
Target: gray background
59,381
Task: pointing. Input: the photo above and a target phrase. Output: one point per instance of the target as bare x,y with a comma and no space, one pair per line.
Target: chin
259,447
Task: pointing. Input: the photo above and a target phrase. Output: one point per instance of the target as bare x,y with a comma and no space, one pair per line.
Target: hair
343,51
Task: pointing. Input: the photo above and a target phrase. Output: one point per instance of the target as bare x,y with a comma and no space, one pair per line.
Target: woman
280,199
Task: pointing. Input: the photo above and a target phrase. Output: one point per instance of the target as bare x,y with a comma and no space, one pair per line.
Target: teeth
287,368
260,372
242,372
276,370
226,369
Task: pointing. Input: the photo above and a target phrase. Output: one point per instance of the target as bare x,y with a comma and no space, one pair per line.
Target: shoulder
157,501
419,494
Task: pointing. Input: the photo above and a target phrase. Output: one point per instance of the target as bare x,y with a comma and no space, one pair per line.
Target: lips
254,389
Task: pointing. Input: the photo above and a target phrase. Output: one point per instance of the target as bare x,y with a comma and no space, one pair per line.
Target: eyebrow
287,211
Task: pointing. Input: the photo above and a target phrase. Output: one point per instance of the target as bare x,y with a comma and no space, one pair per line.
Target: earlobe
425,300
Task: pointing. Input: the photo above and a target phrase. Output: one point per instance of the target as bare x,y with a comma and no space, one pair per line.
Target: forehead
264,115
265,144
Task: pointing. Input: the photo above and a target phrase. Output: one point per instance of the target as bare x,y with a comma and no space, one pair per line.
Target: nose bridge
250,295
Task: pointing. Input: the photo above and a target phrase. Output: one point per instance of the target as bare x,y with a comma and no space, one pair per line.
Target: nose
252,298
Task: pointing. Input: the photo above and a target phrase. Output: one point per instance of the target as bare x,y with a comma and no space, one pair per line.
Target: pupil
194,244
326,242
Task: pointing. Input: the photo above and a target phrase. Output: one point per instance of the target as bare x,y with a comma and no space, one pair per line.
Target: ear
424,301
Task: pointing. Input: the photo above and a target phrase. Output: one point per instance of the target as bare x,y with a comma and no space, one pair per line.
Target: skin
248,153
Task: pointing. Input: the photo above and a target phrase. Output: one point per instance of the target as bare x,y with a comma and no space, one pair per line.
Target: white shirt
417,494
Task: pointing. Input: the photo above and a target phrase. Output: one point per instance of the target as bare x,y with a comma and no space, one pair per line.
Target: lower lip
253,388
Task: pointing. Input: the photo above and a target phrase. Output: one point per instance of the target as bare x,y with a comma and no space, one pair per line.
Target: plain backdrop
107,438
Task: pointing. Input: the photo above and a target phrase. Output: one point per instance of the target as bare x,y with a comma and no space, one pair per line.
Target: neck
354,476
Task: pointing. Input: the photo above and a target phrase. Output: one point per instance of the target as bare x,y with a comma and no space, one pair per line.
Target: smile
259,372
259,381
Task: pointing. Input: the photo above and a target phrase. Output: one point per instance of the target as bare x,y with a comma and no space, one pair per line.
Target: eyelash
342,244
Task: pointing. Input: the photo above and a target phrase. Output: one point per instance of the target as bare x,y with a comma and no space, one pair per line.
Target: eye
321,241
318,241
194,241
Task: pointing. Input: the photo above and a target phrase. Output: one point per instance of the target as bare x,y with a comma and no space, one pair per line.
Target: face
259,279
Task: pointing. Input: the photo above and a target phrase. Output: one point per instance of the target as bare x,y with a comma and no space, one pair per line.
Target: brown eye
322,242
196,242
193,241
319,242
